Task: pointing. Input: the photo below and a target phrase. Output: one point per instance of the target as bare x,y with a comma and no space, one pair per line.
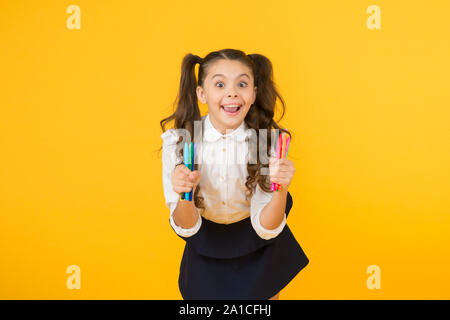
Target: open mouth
231,109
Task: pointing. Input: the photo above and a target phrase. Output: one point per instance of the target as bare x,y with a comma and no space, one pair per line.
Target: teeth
232,106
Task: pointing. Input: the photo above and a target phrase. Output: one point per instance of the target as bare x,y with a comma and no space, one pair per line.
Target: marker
191,165
283,153
185,195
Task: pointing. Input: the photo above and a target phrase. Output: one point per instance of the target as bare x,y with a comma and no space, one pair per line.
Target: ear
255,94
201,94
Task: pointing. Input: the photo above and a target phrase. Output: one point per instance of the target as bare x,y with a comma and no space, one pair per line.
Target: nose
231,93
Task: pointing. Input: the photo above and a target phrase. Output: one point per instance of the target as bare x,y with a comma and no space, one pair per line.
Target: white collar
211,134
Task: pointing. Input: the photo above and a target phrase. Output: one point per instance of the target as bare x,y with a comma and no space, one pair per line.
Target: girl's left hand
281,172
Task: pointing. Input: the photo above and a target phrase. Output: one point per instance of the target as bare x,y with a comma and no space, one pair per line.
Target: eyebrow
219,74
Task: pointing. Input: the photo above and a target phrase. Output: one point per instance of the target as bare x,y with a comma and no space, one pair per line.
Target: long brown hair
259,116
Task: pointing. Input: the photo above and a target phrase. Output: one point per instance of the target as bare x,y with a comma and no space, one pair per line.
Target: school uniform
228,254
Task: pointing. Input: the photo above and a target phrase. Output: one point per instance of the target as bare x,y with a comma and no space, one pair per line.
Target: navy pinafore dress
230,261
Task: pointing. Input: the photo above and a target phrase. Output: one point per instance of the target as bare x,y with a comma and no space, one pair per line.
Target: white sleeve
259,200
169,161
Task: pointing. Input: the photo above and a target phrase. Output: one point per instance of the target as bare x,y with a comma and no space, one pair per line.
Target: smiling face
229,91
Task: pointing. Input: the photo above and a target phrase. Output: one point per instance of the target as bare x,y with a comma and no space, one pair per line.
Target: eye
246,85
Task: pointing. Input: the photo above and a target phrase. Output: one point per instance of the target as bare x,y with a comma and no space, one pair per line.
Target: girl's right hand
183,179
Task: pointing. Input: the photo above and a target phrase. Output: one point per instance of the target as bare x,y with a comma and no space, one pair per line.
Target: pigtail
261,116
187,110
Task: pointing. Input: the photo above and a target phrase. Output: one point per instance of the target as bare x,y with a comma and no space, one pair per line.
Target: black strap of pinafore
222,241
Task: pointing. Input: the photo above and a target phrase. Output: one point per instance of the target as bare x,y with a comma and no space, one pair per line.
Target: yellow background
79,125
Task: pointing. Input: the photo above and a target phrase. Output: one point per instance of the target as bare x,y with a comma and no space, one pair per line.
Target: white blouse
222,163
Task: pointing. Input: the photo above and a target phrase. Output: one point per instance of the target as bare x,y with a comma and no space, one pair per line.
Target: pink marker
274,186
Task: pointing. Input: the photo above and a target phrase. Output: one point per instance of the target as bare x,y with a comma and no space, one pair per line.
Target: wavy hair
259,116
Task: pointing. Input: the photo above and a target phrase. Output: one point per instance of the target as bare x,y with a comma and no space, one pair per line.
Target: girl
238,245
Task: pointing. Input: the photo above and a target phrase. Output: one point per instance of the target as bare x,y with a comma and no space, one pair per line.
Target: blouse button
223,202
